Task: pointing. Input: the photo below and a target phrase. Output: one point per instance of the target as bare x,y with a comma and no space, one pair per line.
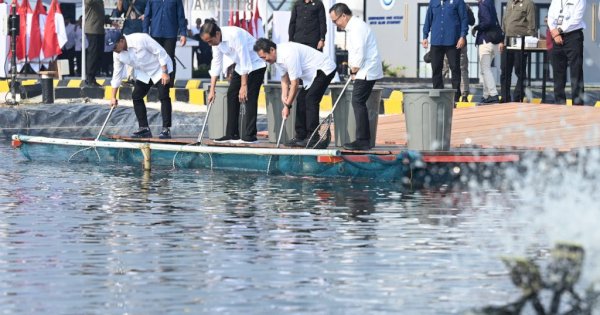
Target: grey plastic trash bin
217,121
274,119
344,119
428,116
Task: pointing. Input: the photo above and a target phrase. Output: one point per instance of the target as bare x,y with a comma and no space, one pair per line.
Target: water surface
110,239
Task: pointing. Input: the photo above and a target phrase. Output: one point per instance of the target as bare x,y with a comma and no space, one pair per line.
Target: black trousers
360,94
93,55
511,59
307,105
248,129
437,66
140,90
169,45
570,54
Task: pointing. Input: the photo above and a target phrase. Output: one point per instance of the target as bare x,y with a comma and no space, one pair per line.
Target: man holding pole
299,62
365,69
152,65
246,79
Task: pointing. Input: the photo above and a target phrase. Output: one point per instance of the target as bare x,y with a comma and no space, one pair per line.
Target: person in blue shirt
133,17
164,20
447,21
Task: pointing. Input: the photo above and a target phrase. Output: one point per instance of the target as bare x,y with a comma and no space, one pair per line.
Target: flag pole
83,74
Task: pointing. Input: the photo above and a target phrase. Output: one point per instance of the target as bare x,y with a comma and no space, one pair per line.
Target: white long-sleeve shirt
362,50
238,45
573,12
302,62
70,30
145,56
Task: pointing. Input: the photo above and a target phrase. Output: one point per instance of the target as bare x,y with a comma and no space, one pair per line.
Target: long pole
83,74
13,48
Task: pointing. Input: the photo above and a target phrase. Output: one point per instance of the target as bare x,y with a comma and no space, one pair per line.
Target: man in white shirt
299,62
247,78
152,66
69,47
365,69
565,21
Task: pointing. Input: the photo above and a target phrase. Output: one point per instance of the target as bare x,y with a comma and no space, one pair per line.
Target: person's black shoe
493,99
490,100
226,139
295,142
142,132
464,98
165,133
358,145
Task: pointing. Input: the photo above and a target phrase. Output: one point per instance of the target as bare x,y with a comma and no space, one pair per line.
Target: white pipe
221,13
177,147
82,65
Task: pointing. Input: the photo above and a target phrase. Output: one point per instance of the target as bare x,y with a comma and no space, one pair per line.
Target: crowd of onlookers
165,22
446,28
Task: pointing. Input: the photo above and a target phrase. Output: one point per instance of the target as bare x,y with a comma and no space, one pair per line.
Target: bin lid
429,92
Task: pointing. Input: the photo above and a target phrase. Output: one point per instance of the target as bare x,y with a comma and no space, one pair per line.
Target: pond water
111,239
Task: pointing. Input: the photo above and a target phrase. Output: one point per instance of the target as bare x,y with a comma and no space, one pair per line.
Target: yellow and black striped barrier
191,92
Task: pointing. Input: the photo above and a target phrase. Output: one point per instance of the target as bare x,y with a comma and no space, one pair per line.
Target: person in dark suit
308,24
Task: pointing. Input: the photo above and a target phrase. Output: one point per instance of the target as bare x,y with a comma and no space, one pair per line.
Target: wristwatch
289,106
560,31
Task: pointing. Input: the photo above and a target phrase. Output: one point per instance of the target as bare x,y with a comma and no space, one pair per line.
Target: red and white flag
55,35
25,16
259,30
35,35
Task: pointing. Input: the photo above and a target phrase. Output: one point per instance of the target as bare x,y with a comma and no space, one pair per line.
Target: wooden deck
512,125
505,127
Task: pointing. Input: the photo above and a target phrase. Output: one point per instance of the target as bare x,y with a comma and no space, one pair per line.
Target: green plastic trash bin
428,115
274,119
344,119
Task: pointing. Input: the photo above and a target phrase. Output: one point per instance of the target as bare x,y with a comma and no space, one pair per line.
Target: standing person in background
165,20
68,50
94,32
111,37
365,69
447,21
488,19
518,21
134,17
308,24
464,62
565,21
246,79
78,42
133,11
299,62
